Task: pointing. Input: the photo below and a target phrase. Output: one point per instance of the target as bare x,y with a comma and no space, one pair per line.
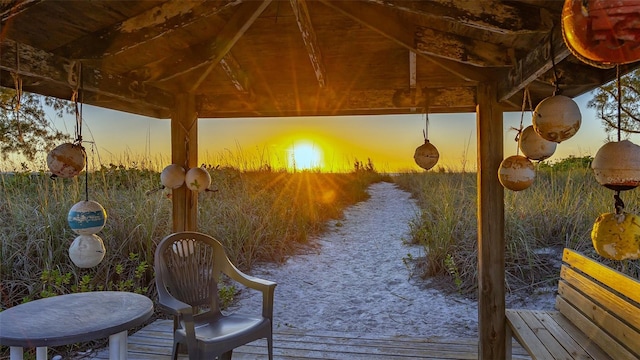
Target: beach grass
266,215
258,215
557,211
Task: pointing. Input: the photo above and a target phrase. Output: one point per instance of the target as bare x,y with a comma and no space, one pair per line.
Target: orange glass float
602,33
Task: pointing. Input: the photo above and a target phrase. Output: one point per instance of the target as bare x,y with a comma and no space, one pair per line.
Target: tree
605,101
24,128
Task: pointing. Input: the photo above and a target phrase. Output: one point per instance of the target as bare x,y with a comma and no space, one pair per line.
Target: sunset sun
305,155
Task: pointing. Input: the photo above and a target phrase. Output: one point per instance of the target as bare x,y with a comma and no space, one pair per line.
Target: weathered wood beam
184,152
41,66
533,65
458,48
205,56
303,18
491,243
238,77
139,30
361,102
483,15
393,28
9,9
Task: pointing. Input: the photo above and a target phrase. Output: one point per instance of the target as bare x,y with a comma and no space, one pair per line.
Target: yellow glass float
617,236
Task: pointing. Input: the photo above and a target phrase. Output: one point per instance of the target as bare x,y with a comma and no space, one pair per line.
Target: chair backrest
188,265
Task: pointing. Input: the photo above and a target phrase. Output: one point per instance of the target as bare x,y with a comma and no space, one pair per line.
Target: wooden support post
184,152
491,244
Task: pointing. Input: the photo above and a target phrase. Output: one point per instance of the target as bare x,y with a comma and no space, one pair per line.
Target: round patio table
73,318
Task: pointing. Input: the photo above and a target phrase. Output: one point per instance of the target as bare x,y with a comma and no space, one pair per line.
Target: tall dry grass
557,211
258,216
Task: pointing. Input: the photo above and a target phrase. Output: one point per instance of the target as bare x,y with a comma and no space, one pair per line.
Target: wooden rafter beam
139,30
301,11
534,65
234,71
10,9
484,15
239,23
205,56
392,27
42,67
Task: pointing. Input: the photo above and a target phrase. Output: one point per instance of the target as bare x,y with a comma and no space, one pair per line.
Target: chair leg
227,355
270,346
174,351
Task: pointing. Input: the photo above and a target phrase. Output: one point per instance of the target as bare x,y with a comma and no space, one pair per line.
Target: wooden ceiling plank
375,18
303,18
41,66
534,65
465,50
140,30
483,15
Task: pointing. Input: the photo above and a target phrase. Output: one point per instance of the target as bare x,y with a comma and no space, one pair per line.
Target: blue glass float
87,217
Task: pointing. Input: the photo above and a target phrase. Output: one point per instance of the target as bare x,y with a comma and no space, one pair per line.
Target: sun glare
305,156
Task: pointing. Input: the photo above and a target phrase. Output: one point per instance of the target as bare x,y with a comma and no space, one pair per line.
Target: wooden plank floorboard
154,343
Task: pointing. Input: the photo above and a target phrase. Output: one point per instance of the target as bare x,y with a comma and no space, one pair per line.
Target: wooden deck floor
154,343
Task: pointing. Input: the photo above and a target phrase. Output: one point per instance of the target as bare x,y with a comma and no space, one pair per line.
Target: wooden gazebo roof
288,58
186,60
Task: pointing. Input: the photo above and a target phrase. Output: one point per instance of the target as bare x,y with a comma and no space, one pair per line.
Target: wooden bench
598,315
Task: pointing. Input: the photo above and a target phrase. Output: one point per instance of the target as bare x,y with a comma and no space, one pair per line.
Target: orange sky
332,143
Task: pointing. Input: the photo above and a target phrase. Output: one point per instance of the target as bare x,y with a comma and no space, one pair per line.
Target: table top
72,318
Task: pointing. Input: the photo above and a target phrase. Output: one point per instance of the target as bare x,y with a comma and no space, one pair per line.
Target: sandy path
357,281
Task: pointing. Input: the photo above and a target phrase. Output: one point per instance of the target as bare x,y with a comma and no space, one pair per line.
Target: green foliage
129,276
452,269
24,128
567,164
226,294
605,101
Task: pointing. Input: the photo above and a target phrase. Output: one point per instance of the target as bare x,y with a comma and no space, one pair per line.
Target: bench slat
565,335
598,317
615,304
568,343
525,336
542,332
592,331
616,280
598,304
589,346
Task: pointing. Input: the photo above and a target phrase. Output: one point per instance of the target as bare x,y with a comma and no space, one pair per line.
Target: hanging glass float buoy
615,236
516,173
602,33
172,176
616,165
533,146
87,217
557,118
66,160
426,155
87,251
198,179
